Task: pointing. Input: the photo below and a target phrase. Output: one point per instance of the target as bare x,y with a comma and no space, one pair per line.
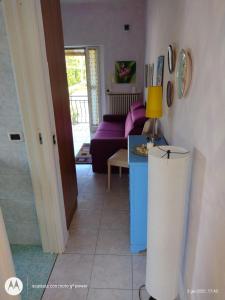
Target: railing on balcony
79,109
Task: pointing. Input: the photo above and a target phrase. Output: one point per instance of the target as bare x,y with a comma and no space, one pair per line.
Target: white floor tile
116,203
72,268
89,201
118,193
113,242
82,240
114,219
139,269
65,294
94,188
85,218
109,294
112,271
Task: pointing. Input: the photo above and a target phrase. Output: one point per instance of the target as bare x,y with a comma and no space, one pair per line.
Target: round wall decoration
183,73
171,59
169,94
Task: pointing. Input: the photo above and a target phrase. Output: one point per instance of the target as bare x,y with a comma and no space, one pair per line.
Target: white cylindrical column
6,263
167,195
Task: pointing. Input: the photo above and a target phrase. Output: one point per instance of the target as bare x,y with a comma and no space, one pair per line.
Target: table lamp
154,108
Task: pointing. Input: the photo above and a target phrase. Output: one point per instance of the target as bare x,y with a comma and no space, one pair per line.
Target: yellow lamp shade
154,102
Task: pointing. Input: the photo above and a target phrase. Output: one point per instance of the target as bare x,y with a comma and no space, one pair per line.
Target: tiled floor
97,253
81,135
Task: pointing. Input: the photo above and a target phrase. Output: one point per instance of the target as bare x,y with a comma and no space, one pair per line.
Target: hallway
97,253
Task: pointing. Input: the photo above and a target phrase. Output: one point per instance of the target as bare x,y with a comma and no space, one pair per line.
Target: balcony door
82,66
93,85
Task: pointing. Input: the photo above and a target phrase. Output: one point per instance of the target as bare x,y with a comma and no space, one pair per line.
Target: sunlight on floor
81,135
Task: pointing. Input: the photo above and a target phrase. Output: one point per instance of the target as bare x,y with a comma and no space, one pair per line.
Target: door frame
82,48
25,33
99,69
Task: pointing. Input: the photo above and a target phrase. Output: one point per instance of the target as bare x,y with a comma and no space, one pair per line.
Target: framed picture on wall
160,70
125,71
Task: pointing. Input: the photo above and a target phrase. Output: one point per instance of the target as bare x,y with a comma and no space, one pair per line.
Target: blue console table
138,166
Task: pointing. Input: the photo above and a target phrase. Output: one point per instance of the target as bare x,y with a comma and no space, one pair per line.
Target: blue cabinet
138,166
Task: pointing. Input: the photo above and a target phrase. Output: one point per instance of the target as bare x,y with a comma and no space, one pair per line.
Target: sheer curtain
92,61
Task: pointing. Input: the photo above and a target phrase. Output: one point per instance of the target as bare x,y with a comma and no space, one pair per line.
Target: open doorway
82,67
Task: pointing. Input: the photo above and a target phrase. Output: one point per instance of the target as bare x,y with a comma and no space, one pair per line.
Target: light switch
15,136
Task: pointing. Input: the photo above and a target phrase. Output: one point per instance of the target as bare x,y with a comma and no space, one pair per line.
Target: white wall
102,24
197,122
16,192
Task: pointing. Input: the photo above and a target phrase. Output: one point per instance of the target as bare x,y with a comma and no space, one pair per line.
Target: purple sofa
112,133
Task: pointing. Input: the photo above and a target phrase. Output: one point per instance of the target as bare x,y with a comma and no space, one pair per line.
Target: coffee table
118,159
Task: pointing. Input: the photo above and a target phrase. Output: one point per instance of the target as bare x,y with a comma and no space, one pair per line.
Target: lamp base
153,139
151,129
153,134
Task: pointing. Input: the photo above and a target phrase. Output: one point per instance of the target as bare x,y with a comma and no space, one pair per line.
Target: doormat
84,156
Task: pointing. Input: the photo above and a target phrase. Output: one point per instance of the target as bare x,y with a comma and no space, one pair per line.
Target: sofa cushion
128,124
136,105
138,117
114,118
111,126
109,130
107,134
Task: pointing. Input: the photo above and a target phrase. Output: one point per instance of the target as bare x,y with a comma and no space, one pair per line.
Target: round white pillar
168,184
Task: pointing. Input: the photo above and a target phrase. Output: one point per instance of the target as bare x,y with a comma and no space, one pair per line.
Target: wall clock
183,73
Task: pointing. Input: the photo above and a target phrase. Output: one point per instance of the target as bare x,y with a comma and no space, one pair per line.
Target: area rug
84,156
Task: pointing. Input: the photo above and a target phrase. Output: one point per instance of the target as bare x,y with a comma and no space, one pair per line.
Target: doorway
82,67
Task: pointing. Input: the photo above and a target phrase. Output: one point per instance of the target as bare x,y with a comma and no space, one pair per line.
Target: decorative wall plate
171,59
183,73
169,94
